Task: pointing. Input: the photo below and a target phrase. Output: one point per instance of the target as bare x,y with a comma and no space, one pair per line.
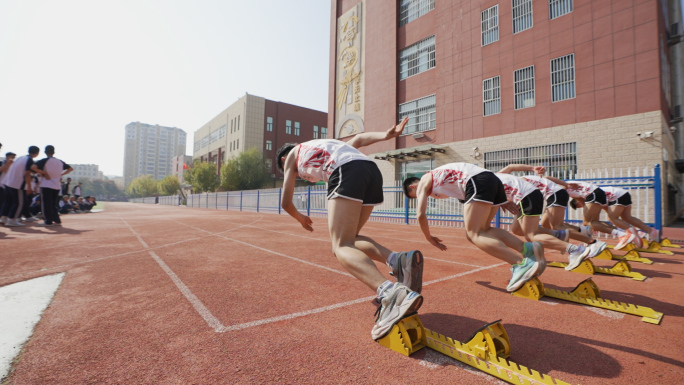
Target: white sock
382,289
392,257
618,232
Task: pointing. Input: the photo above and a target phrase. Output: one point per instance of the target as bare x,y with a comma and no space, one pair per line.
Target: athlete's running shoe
576,256
398,303
625,240
655,235
408,269
638,242
532,265
596,248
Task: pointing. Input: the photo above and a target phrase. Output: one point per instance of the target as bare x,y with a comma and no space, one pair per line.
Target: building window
563,78
410,10
198,145
524,87
288,127
490,25
415,168
269,124
491,96
214,136
269,145
324,133
421,113
522,15
315,132
269,165
558,8
222,131
232,125
237,144
205,141
238,124
560,160
417,58
297,128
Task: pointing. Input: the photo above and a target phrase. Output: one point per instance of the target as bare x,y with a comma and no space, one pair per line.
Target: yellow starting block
653,247
632,256
587,293
487,350
621,269
666,243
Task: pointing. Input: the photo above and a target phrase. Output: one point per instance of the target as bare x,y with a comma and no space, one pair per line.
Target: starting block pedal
621,269
632,256
586,293
667,243
653,247
487,350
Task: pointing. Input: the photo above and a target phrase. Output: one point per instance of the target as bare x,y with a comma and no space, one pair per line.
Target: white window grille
214,136
522,15
324,133
421,113
410,10
490,25
269,145
297,128
491,96
205,141
563,78
315,132
558,8
560,160
269,123
198,146
288,127
222,131
524,87
417,58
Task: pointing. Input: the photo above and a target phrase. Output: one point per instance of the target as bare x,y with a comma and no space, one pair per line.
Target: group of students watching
29,189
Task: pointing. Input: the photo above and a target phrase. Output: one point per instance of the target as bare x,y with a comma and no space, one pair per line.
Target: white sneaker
576,257
31,219
398,303
596,248
3,220
655,235
638,242
14,223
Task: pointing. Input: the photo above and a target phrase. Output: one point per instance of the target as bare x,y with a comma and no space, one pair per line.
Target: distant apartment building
254,121
85,171
149,150
177,166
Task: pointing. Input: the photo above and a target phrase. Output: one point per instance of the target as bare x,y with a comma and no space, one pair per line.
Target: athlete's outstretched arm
290,169
368,138
539,170
557,181
422,193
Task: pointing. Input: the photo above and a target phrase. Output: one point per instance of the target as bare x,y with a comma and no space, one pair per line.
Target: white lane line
338,305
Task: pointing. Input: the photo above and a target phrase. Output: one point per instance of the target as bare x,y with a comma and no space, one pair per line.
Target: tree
245,172
101,189
169,185
142,186
203,177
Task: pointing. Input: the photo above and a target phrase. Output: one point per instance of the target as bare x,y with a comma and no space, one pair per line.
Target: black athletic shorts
559,199
598,196
625,200
358,180
485,187
532,205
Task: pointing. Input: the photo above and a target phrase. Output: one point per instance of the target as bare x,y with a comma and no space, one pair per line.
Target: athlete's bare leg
344,217
591,218
493,241
373,249
533,233
634,221
614,213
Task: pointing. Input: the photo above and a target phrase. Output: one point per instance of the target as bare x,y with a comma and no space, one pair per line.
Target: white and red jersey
544,185
516,188
317,159
450,180
585,189
614,193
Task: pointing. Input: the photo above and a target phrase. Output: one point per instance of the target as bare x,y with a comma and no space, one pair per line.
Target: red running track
169,295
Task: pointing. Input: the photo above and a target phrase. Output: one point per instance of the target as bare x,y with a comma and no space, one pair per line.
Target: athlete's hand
436,242
539,170
511,208
574,186
396,130
306,222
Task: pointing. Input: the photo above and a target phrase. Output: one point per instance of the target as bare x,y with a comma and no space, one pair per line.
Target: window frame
418,111
533,91
557,3
531,15
494,28
425,49
574,78
494,90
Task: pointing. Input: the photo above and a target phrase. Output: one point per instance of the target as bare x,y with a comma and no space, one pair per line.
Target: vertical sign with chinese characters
349,97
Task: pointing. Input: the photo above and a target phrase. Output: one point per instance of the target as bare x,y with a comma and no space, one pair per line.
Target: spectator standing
18,184
65,187
50,187
4,167
77,190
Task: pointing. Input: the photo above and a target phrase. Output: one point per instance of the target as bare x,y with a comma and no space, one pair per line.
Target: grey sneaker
398,303
14,223
596,248
532,266
575,257
408,269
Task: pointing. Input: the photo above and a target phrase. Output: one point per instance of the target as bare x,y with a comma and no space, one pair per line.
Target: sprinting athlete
354,187
482,193
620,209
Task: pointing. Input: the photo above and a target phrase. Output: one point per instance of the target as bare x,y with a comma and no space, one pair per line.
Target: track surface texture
172,295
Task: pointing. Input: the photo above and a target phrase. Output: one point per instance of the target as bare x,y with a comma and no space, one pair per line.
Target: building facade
256,122
85,171
571,85
178,164
149,150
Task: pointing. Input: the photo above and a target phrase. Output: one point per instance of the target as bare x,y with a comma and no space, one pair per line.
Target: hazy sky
74,73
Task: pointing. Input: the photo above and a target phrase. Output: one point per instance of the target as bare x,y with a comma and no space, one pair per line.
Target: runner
527,202
354,187
482,193
620,209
